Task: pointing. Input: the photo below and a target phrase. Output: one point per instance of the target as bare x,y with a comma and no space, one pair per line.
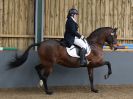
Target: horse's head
102,35
111,39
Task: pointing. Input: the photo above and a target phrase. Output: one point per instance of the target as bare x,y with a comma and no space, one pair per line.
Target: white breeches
79,42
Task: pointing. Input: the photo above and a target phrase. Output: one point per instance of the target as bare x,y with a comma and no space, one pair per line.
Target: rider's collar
73,19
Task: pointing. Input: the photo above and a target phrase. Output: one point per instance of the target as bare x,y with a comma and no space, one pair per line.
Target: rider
72,36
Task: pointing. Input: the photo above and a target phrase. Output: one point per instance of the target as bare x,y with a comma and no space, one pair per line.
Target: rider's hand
82,37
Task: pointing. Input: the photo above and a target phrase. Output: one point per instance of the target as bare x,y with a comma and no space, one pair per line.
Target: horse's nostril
115,47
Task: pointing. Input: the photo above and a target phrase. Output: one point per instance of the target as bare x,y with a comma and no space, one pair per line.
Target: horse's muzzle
114,47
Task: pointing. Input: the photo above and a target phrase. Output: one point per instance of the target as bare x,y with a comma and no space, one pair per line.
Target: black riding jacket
71,30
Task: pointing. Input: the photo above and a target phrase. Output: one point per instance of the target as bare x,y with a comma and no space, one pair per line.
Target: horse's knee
107,63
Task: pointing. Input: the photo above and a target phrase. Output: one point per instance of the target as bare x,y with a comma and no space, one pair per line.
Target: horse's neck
95,46
96,42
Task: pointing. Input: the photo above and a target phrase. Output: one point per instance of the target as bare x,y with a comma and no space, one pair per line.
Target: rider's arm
73,29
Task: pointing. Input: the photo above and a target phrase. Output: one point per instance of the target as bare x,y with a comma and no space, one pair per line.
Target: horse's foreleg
109,69
43,75
90,73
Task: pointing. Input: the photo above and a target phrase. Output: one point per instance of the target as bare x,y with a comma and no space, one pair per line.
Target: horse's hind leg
43,75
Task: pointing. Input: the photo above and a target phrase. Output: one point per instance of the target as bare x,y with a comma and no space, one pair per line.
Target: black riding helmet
72,12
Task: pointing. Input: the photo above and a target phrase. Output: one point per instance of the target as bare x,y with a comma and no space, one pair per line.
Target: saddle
74,50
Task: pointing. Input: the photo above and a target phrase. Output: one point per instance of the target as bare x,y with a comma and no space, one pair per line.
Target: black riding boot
83,61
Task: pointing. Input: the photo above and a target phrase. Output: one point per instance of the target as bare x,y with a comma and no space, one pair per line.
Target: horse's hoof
49,92
95,90
106,76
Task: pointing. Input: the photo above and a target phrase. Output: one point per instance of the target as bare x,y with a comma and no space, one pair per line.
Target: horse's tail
19,60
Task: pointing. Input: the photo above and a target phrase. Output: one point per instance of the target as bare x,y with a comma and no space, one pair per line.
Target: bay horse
52,52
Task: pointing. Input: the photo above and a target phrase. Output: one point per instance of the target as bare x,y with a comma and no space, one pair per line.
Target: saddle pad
72,50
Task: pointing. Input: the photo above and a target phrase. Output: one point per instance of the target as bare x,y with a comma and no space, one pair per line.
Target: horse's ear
115,29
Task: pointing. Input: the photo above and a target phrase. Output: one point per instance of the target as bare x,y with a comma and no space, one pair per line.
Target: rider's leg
82,45
83,61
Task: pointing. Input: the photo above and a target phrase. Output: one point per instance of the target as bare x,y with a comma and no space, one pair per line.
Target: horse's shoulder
96,51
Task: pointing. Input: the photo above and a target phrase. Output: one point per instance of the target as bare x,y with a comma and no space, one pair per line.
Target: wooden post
39,19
